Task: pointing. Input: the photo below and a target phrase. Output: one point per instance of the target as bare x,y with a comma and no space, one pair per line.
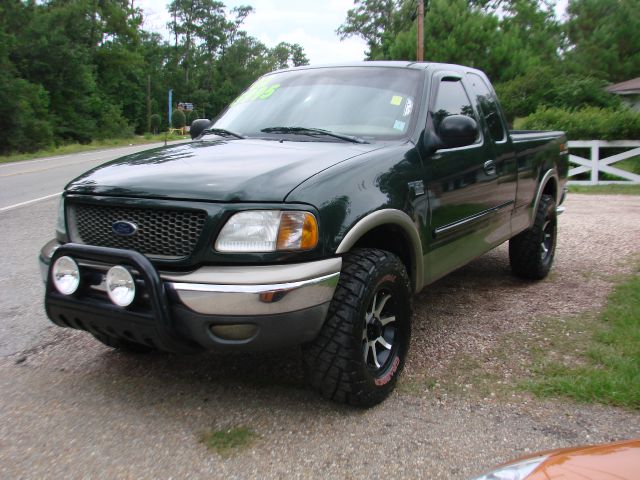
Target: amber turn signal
298,231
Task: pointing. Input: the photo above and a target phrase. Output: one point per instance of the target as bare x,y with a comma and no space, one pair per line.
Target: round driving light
66,275
121,287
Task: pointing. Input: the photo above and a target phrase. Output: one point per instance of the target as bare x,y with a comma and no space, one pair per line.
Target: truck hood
217,170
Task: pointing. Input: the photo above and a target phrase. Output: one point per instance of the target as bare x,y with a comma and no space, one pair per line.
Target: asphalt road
72,408
29,193
36,180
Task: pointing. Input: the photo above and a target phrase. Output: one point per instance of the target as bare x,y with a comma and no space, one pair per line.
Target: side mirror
457,131
431,141
198,126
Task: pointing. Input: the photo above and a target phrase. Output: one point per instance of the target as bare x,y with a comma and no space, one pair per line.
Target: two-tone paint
436,210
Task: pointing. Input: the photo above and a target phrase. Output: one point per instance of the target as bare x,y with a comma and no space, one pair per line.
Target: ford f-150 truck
307,213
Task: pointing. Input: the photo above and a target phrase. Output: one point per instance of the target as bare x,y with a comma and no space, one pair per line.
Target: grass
593,357
607,369
629,164
94,145
226,441
615,189
417,387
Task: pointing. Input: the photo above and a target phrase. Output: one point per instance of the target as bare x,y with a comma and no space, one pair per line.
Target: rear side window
452,99
488,105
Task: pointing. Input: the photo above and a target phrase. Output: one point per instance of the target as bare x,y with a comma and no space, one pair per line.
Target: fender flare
549,174
397,218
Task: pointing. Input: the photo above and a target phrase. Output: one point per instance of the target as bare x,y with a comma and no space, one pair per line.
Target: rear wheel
363,344
531,252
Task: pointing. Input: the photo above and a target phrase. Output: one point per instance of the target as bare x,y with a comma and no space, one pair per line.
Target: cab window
488,104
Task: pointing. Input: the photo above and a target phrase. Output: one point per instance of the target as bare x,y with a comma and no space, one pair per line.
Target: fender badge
124,228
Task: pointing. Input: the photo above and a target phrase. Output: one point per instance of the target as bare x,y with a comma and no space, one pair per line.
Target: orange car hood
613,461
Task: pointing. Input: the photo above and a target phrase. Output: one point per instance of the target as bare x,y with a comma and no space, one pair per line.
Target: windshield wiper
311,132
223,132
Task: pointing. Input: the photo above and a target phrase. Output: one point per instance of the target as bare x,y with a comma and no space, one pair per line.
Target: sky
312,24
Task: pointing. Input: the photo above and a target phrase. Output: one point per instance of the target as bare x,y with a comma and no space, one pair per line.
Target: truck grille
162,233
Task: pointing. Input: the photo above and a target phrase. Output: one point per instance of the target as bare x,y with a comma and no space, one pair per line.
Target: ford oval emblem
124,228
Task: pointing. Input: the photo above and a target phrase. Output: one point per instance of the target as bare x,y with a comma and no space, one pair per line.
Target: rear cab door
468,205
503,156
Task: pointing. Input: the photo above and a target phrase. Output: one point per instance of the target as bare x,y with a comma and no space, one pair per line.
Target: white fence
594,164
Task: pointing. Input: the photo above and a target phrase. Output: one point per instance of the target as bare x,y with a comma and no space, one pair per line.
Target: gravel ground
70,408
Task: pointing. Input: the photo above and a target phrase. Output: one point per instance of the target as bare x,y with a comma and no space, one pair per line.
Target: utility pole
420,56
148,102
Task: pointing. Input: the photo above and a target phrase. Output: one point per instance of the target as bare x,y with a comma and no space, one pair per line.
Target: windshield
372,103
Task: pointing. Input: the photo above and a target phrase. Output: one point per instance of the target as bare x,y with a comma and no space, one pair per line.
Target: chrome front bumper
216,299
241,290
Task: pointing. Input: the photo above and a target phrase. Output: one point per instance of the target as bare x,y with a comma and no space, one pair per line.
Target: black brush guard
148,324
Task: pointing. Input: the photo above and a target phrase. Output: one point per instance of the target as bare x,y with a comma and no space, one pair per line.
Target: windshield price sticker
408,108
396,100
398,125
257,92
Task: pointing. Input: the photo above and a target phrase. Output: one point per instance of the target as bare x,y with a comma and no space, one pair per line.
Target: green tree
455,32
240,64
518,43
285,55
52,49
75,70
604,38
24,118
530,38
199,22
378,22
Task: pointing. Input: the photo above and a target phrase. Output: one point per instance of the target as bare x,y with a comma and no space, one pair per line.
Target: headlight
514,471
61,229
268,231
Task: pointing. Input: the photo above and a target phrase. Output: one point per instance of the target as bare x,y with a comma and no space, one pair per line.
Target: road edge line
29,202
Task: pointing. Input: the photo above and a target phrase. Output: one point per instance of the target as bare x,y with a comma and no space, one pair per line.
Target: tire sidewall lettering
386,378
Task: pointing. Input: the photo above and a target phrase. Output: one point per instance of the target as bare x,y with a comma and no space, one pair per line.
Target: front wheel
362,347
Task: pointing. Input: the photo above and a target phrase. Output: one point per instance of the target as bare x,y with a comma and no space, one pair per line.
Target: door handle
490,167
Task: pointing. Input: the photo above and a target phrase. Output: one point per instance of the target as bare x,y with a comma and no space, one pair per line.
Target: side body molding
389,217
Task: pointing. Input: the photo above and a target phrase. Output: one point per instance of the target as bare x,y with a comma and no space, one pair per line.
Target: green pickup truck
307,213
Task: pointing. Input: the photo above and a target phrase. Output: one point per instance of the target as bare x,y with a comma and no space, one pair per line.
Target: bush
112,124
178,120
574,92
589,123
548,87
156,122
25,124
193,115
